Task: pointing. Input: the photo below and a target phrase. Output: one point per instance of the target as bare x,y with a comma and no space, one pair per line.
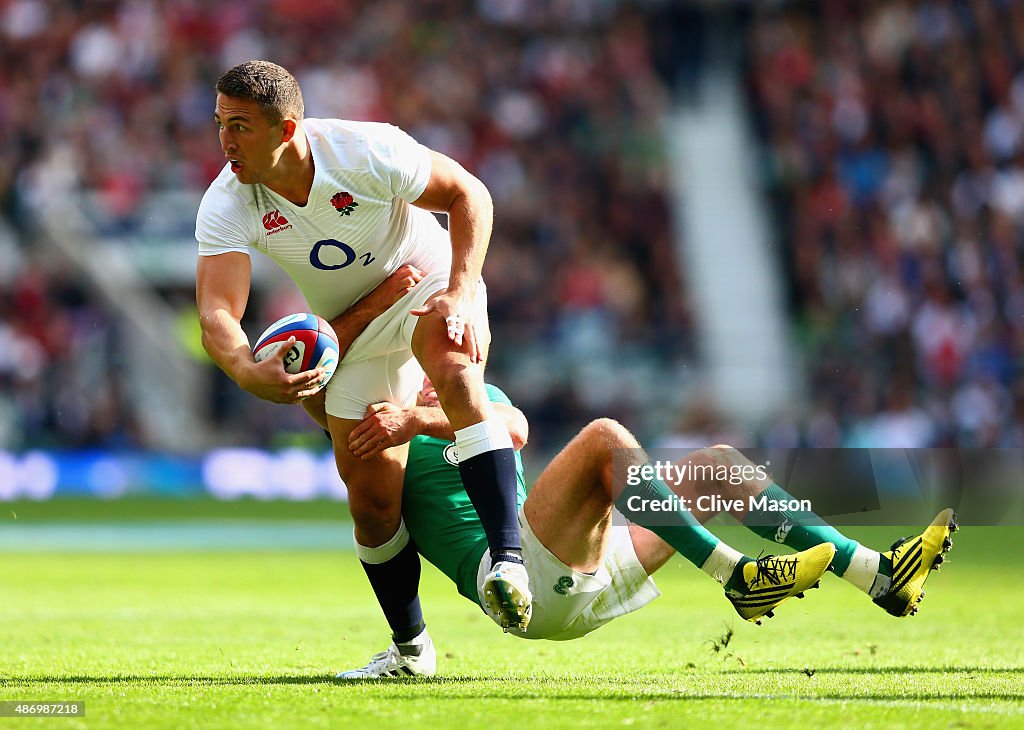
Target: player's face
250,142
427,395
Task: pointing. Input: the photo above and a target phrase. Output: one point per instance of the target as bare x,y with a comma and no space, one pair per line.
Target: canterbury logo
274,220
783,532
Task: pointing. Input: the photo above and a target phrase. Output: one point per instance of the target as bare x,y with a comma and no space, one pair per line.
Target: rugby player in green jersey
585,570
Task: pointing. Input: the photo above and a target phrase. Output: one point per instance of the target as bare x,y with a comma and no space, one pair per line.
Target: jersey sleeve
402,163
222,226
496,394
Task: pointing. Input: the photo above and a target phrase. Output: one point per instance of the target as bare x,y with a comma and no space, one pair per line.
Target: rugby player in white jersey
340,206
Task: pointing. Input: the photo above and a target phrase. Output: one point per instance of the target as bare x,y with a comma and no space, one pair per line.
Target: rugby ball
315,346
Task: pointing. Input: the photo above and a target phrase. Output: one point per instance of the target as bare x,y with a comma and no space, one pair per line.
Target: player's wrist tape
489,435
385,552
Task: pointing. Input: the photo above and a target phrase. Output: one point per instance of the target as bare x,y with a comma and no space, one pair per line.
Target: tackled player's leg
570,511
583,569
894,579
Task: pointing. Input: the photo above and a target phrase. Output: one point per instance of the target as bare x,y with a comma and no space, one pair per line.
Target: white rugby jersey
358,226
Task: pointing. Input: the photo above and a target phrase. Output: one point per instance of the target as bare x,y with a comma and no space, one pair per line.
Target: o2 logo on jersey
345,252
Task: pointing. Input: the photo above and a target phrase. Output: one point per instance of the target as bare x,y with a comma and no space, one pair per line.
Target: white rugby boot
506,595
418,658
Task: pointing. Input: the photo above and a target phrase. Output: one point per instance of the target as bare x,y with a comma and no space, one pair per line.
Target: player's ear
288,127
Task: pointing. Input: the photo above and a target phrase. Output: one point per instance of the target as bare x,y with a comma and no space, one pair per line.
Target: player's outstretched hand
269,380
384,425
457,311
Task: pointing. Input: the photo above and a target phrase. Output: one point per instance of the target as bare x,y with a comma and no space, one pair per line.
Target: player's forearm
226,344
470,219
350,324
431,421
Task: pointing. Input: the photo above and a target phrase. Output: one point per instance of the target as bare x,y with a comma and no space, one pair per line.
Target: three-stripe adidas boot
912,560
772,579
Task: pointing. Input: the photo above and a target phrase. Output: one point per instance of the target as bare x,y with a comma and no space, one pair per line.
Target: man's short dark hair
269,85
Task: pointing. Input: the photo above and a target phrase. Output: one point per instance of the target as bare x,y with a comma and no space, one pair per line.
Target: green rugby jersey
437,510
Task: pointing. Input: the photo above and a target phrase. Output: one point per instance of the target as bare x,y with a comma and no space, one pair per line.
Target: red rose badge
343,203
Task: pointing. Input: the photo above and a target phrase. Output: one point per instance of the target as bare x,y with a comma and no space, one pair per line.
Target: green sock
675,525
799,529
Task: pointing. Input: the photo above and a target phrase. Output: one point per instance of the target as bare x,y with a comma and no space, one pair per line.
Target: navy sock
396,585
490,482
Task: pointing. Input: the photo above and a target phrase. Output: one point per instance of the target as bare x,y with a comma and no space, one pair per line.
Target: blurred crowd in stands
555,105
62,379
893,147
892,136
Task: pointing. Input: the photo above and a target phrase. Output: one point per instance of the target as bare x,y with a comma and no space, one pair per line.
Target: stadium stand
893,150
554,105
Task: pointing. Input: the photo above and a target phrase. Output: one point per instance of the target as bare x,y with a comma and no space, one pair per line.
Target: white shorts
568,604
380,366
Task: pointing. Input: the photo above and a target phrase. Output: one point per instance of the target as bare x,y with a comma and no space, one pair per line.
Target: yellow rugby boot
770,580
913,559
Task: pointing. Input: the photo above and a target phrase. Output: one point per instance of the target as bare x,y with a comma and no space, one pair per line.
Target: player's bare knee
727,455
735,463
704,460
372,513
374,486
722,470
457,382
703,466
375,518
608,434
716,456
450,374
603,438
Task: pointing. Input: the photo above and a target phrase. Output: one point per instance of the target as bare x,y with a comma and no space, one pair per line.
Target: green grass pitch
230,638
